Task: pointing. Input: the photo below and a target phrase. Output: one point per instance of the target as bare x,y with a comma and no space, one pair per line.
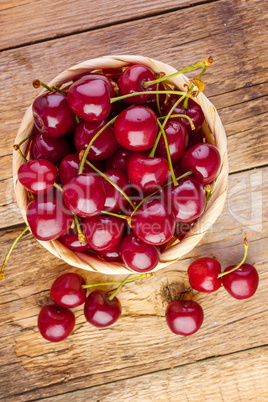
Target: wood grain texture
21,20
230,325
233,378
236,83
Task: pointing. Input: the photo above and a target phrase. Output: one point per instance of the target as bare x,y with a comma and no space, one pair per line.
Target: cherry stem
146,84
111,182
55,88
117,215
57,186
165,122
147,275
157,100
155,192
91,142
168,154
180,115
73,225
147,93
77,119
119,287
16,147
25,139
2,271
185,103
239,265
38,84
81,236
208,189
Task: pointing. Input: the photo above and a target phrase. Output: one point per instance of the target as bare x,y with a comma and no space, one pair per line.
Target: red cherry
52,115
115,201
184,317
153,223
203,160
100,311
38,175
104,146
241,283
84,195
131,80
48,217
104,232
51,149
177,137
111,254
203,275
136,128
97,76
195,138
119,159
187,199
146,173
69,166
67,290
70,239
89,98
138,255
193,111
55,323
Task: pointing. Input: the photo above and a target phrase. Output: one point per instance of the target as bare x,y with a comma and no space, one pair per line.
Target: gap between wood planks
152,373
111,24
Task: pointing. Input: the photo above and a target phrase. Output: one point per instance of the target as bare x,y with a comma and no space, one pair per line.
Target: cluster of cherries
184,317
112,180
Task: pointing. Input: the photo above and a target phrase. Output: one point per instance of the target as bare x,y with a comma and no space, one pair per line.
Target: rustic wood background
139,359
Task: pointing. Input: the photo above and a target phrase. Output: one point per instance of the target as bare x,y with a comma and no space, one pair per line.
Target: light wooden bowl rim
219,190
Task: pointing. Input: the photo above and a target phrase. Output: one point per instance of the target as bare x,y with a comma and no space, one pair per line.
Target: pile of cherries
118,162
184,317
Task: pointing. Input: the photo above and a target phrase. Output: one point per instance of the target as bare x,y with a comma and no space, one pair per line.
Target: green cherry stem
155,192
91,142
113,214
185,103
147,275
239,265
77,119
180,115
146,93
119,287
57,186
25,139
37,84
157,100
111,182
208,189
81,236
16,147
165,122
57,89
168,154
2,271
146,84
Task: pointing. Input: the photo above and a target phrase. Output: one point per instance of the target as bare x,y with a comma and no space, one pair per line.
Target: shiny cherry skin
136,128
138,255
104,232
100,311
241,283
153,223
119,159
84,195
67,290
98,76
146,173
111,254
115,201
69,166
131,80
70,239
193,111
55,323
187,199
52,115
203,160
90,99
177,137
195,138
184,317
37,175
104,146
51,149
203,275
48,217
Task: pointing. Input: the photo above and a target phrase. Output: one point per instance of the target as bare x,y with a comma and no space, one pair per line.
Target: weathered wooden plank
237,377
229,325
21,20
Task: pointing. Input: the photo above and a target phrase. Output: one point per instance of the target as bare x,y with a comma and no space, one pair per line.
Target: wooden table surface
139,359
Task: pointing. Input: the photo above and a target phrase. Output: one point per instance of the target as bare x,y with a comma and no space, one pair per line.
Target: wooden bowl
212,128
